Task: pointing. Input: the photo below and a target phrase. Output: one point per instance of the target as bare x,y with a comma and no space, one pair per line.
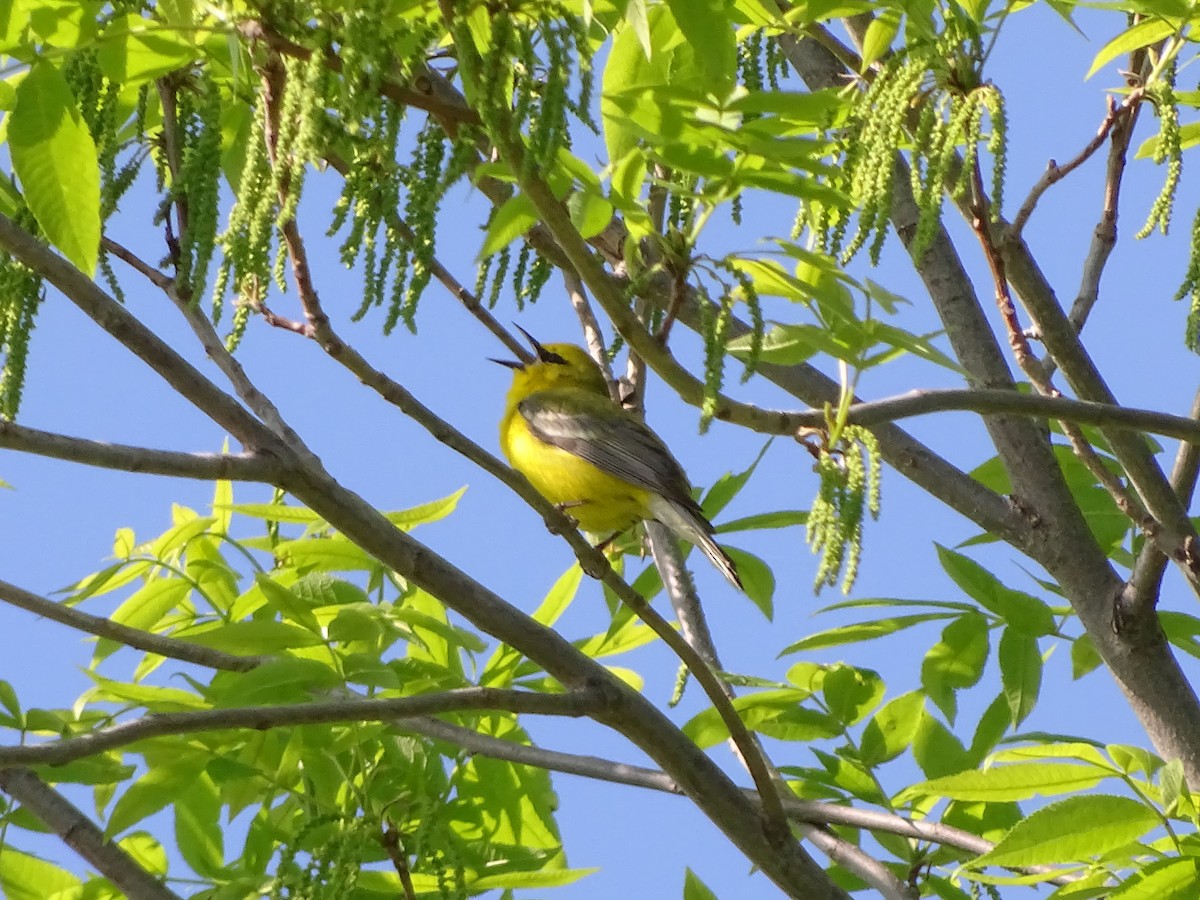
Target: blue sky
58,522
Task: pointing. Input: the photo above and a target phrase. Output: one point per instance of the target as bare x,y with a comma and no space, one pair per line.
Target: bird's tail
691,525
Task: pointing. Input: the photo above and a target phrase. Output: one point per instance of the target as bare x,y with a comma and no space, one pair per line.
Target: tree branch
580,702
1055,173
80,833
814,812
173,648
126,328
126,458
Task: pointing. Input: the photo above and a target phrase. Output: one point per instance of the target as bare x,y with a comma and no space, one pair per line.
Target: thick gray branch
80,833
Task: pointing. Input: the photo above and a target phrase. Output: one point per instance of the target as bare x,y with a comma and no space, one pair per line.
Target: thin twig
174,648
392,845
158,278
592,335
1055,173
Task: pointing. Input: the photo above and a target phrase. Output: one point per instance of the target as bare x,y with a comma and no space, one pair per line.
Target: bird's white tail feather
689,526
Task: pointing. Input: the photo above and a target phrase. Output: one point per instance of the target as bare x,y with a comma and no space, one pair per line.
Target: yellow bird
592,458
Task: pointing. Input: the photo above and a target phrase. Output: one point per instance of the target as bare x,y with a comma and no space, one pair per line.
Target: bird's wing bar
610,440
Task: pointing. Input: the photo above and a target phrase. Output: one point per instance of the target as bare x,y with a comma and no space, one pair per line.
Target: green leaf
25,877
512,219
955,662
276,512
861,631
425,513
757,579
134,50
851,693
105,769
589,214
286,680
1020,672
252,637
635,15
331,554
547,878
154,698
990,729
1076,828
1143,34
55,159
633,63
781,708
8,698
198,827
879,36
918,345
783,518
146,796
1020,610
706,25
936,749
695,889
290,607
146,607
499,670
892,729
728,486
1166,879
1016,782
1084,657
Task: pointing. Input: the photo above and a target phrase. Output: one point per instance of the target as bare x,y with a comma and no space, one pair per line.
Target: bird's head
555,366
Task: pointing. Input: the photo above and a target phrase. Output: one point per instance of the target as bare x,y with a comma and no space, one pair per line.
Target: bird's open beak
533,342
540,353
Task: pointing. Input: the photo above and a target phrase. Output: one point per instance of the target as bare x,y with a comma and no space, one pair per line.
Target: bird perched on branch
595,460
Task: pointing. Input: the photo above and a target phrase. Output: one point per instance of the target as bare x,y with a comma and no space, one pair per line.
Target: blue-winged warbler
597,461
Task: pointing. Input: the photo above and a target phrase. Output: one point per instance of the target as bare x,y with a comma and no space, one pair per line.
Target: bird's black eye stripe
548,357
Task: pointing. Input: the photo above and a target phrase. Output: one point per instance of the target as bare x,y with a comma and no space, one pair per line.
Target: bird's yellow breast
601,503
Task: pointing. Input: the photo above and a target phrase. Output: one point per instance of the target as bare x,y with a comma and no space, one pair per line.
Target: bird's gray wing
620,445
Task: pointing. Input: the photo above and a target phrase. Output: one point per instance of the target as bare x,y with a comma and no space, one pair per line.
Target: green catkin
548,131
21,295
539,274
583,55
750,61
932,84
714,359
482,271
757,326
777,63
420,212
849,487
246,240
1169,149
1191,288
525,78
199,181
518,278
503,257
997,144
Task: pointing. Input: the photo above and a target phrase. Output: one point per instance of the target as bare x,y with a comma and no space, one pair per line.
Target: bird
594,459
